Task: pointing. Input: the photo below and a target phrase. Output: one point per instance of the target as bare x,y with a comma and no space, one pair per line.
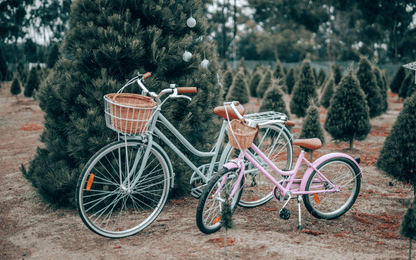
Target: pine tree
226,219
225,66
406,84
398,78
15,89
53,56
264,84
254,82
3,66
315,75
368,84
408,225
20,68
321,77
239,89
303,90
278,73
348,114
228,80
256,67
290,80
411,89
108,43
383,88
246,71
273,99
337,70
398,154
32,83
328,92
311,126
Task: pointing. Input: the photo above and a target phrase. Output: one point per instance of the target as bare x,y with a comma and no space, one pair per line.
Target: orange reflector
316,198
216,220
90,180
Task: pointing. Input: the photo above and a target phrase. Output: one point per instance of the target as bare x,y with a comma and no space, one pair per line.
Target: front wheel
341,172
208,213
107,201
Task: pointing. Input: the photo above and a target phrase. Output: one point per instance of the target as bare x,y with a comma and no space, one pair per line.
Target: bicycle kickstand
299,200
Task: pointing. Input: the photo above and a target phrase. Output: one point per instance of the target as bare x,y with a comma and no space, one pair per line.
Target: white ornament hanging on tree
186,56
191,22
205,63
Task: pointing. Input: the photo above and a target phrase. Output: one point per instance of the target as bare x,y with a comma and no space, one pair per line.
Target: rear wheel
208,213
275,142
341,172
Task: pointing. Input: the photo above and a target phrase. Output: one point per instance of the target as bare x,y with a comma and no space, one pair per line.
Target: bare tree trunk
225,243
410,249
351,142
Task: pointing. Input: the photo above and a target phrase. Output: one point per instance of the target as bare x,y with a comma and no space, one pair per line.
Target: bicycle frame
284,187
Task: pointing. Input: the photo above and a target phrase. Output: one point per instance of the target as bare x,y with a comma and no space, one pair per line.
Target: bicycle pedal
284,214
196,193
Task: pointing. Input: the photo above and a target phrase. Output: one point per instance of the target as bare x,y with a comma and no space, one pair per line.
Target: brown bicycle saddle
311,144
220,110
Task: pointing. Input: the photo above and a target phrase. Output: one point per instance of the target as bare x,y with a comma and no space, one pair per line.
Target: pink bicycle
329,187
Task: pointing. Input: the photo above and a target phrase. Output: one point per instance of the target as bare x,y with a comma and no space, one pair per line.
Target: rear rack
262,117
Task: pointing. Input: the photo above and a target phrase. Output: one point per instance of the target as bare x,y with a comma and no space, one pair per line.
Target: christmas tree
53,56
228,80
110,41
348,114
254,82
256,67
321,77
398,78
225,66
315,75
246,71
407,83
226,219
398,154
337,70
328,92
3,66
264,84
15,89
278,73
273,99
368,84
411,90
408,226
303,90
311,126
239,90
290,80
32,83
383,88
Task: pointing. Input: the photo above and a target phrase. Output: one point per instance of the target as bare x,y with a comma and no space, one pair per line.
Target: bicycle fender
167,159
320,160
232,165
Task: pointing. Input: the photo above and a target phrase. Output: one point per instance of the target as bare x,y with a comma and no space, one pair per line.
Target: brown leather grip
290,123
147,75
186,90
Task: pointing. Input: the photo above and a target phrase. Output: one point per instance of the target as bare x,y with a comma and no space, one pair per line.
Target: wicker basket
244,134
128,113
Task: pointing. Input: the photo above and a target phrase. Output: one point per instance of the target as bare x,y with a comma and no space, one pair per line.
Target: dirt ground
30,229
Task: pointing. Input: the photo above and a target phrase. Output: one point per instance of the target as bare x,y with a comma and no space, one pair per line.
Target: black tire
212,206
341,172
111,209
276,144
